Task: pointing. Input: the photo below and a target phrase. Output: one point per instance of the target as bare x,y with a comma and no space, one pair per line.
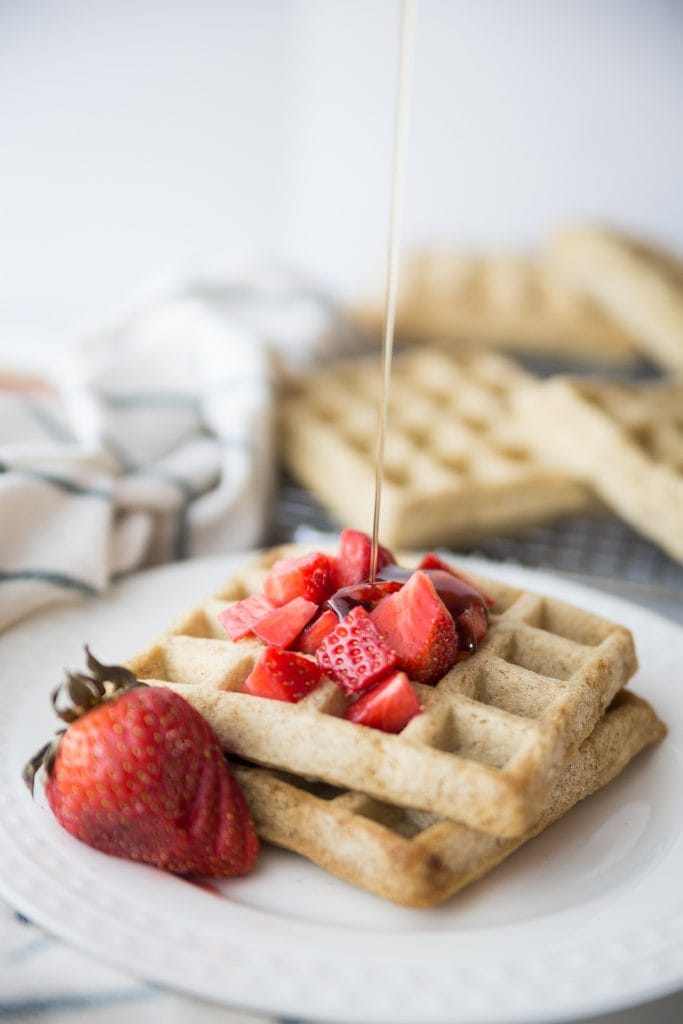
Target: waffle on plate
416,858
487,748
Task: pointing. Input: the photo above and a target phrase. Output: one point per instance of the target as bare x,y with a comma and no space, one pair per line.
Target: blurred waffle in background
575,485
507,300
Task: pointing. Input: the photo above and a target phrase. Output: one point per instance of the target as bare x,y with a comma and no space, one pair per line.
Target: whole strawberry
140,774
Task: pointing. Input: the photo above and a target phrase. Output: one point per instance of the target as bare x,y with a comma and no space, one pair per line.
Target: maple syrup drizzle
391,285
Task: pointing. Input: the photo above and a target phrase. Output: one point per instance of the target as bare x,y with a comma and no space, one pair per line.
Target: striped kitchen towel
155,440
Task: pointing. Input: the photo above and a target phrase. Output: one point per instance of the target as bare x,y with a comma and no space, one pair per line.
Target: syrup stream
391,287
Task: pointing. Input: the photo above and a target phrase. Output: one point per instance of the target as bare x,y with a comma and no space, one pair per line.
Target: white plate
587,918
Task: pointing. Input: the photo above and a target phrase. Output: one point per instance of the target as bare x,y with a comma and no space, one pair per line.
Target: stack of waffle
507,741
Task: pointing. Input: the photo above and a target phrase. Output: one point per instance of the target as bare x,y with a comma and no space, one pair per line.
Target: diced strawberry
283,625
419,628
282,675
353,557
354,654
238,620
311,576
315,633
432,561
389,705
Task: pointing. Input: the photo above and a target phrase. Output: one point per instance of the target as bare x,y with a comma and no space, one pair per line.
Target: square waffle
416,858
506,300
489,743
454,466
624,440
638,285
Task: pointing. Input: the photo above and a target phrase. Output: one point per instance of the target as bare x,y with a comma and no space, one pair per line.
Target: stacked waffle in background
495,749
476,442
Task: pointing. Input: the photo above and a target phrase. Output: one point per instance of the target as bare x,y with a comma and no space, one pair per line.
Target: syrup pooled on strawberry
417,625
466,605
365,595
320,614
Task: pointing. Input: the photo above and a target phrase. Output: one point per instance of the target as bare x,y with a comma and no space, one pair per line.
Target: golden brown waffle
455,467
625,440
489,744
413,857
506,300
639,286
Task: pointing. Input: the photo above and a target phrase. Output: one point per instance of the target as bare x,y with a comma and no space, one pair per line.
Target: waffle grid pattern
489,744
414,857
455,463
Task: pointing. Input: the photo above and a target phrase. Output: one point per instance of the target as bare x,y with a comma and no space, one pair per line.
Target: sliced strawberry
389,705
354,654
311,576
238,620
419,628
282,675
432,561
315,633
353,557
283,625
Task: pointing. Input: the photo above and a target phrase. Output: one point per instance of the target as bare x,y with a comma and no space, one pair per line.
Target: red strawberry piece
389,705
283,625
238,620
419,628
311,576
354,654
283,675
353,557
432,561
315,633
141,775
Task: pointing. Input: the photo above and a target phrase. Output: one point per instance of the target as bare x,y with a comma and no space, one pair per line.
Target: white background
140,138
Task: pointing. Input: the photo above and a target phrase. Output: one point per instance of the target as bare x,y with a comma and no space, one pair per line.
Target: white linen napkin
155,441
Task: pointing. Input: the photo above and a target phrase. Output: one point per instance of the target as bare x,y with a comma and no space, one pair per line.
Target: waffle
625,440
486,749
640,286
504,300
454,467
415,858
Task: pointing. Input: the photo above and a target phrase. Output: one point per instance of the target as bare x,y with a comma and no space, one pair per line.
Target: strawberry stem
74,697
